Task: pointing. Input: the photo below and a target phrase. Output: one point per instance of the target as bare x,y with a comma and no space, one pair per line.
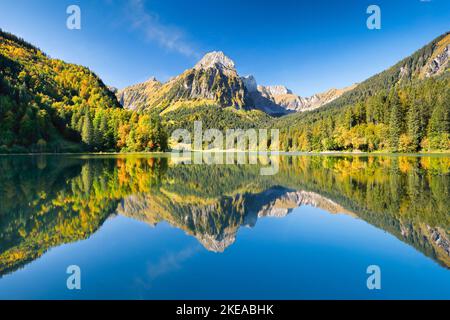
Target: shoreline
288,153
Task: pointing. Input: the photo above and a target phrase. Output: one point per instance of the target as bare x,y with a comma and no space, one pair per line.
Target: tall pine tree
413,124
395,122
87,133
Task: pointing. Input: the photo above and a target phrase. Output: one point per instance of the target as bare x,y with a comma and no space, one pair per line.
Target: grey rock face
279,100
274,90
440,239
216,59
137,96
250,83
439,63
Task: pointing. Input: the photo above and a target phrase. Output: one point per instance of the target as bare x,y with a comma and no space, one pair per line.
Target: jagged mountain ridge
198,219
280,99
214,78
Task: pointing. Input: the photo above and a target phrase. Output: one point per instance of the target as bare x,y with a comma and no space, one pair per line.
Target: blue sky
309,46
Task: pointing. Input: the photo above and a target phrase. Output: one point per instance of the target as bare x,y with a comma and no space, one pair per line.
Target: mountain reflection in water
48,201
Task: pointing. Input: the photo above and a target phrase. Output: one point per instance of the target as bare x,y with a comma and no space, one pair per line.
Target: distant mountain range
214,78
279,100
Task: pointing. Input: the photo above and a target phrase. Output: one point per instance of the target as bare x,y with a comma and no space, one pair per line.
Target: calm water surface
150,227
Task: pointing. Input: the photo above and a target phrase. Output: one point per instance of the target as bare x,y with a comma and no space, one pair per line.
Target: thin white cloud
168,263
169,37
171,261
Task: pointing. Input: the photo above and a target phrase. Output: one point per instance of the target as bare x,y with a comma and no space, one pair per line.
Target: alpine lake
148,226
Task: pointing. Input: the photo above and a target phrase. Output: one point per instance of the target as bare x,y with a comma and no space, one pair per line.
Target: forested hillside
47,105
213,116
403,109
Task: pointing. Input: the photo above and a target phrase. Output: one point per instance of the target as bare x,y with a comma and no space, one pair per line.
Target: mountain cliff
214,80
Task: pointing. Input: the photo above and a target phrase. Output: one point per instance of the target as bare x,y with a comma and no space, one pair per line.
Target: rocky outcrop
250,83
138,96
112,89
439,62
440,239
274,90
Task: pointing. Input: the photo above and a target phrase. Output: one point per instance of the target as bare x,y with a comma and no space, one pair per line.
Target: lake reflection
155,228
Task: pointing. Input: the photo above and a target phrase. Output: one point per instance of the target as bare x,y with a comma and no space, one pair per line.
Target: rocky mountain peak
152,79
250,83
277,90
215,59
